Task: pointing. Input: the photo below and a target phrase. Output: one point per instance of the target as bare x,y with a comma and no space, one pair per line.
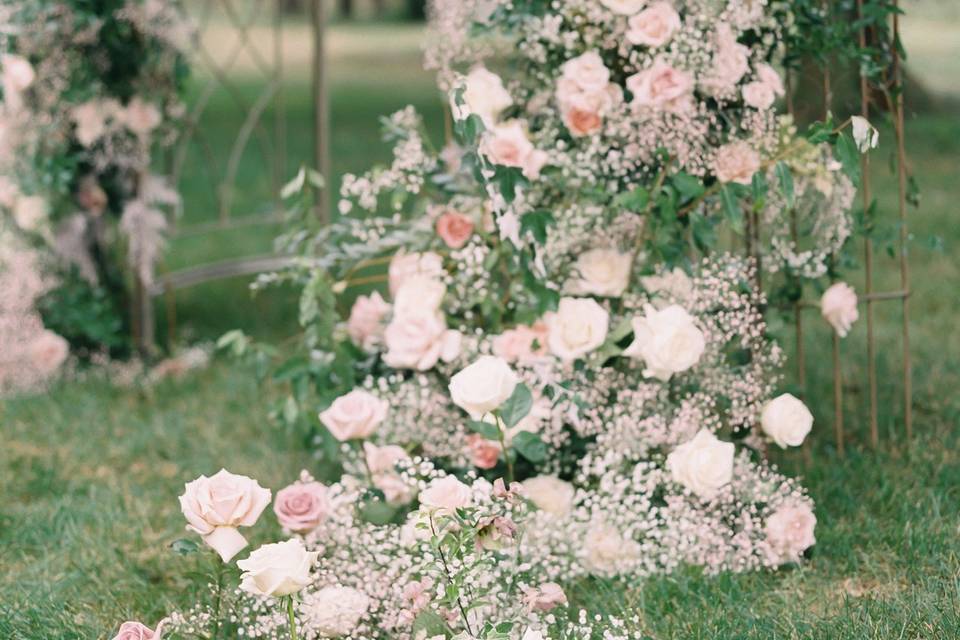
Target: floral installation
78,127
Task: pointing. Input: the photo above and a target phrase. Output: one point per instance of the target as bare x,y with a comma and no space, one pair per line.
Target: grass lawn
89,473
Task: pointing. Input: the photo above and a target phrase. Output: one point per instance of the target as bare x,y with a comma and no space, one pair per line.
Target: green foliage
86,314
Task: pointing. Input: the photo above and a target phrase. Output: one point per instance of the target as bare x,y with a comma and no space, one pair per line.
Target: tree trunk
346,9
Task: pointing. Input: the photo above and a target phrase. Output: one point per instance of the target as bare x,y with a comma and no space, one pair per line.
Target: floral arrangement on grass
88,92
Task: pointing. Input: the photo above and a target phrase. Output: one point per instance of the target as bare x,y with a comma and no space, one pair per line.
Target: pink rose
790,532
302,506
48,352
418,339
454,229
366,323
522,343
731,61
587,73
383,459
136,631
354,416
661,87
445,495
484,453
141,117
654,26
736,162
769,76
544,598
507,144
215,507
406,265
839,307
419,593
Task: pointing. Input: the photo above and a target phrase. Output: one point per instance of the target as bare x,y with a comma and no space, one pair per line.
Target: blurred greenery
90,472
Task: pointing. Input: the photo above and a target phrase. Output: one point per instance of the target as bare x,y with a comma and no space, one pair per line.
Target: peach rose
661,87
790,532
454,229
483,453
654,26
301,507
354,416
366,323
136,631
736,162
215,507
522,344
48,352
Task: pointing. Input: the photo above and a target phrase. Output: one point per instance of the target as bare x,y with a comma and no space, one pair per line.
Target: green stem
291,618
503,445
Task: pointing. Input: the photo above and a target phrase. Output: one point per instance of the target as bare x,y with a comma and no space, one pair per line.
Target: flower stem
503,445
291,618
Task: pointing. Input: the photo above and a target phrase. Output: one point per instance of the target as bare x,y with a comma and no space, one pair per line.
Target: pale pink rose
522,344
454,229
215,507
90,121
48,352
736,162
758,95
419,339
446,495
405,265
769,76
483,95
661,87
91,196
483,453
141,117
507,144
731,61
29,212
395,490
839,307
366,323
354,416
546,597
136,631
383,459
790,532
587,72
654,26
301,507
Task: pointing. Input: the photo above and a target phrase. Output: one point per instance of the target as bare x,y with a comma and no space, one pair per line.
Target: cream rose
667,340
578,327
703,465
215,507
550,494
839,307
483,386
736,162
624,7
366,323
790,532
787,420
601,272
277,570
484,95
419,339
508,145
354,416
661,87
406,265
445,495
335,611
654,26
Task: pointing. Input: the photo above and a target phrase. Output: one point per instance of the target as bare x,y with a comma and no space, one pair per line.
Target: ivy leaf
517,406
530,446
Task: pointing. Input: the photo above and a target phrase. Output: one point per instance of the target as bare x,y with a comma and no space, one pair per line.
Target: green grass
89,473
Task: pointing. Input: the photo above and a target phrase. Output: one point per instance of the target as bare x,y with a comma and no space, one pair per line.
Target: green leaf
530,446
184,546
731,208
485,429
687,186
635,200
785,177
517,406
536,222
429,625
849,156
378,512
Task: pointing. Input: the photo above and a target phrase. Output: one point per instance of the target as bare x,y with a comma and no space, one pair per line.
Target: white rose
418,339
445,495
607,551
839,307
668,341
215,507
277,570
533,634
354,416
601,272
29,212
483,386
578,327
587,72
334,612
654,26
550,494
624,7
406,265
787,420
703,465
484,95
